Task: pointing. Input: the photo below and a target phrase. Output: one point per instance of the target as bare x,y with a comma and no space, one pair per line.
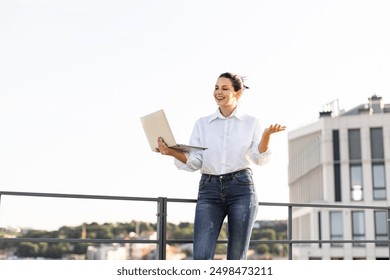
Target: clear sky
76,75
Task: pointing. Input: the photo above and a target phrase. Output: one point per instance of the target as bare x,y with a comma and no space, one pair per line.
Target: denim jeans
232,195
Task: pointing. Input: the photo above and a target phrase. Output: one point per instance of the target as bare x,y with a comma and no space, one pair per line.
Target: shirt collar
237,113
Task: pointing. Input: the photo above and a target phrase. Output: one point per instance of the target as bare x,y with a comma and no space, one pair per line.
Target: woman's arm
265,138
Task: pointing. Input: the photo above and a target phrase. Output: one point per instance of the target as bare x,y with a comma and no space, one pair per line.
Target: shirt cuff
262,158
192,164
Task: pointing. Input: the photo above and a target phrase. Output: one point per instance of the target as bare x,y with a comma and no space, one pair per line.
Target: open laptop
156,125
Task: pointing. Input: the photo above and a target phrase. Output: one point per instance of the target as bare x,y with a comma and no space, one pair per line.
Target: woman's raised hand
274,128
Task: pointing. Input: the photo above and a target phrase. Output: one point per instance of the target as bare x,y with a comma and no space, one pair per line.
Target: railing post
162,228
289,232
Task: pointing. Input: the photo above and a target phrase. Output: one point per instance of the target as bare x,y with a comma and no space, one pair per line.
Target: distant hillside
263,230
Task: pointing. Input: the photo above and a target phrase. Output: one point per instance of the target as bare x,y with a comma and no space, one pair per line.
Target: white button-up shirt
232,144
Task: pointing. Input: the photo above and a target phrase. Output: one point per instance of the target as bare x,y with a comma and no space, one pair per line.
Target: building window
355,151
358,228
319,229
381,230
378,164
355,166
336,165
379,181
376,140
356,179
336,227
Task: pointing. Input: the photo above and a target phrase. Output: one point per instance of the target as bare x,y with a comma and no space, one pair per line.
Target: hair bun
237,81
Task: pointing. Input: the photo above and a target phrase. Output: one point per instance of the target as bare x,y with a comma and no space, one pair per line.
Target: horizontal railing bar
185,241
178,241
318,241
182,200
82,196
323,205
76,240
108,197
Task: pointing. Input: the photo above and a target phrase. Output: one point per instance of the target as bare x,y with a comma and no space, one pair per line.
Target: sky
76,76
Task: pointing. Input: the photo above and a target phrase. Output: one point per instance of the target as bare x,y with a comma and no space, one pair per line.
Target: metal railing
162,212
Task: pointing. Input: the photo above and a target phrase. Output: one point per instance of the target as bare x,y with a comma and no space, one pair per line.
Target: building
343,158
107,252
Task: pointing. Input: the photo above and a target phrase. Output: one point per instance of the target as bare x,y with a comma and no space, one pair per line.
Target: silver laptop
156,125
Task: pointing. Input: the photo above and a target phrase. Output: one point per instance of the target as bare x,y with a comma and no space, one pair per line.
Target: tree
27,249
262,249
57,251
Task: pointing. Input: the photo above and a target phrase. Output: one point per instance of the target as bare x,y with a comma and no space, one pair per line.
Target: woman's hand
274,128
265,138
163,148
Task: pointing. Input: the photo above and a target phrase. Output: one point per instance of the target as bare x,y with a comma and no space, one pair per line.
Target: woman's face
224,93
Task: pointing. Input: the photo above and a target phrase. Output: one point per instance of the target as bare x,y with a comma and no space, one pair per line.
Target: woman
234,141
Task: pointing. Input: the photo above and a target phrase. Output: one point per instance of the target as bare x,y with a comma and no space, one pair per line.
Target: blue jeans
232,195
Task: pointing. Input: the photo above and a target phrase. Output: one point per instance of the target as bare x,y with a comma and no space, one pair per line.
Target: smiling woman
226,189
76,75
225,96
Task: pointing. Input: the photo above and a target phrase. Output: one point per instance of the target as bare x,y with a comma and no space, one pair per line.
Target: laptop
156,125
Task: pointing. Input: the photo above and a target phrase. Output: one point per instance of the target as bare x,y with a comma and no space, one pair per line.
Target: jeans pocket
203,182
244,179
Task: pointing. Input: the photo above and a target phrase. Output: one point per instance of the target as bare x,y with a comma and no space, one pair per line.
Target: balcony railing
162,212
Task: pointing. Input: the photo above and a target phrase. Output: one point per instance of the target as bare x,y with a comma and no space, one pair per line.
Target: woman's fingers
273,128
162,147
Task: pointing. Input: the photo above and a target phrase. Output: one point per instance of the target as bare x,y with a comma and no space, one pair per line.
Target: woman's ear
239,93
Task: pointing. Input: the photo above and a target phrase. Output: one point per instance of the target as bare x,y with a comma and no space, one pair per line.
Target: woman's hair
237,81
